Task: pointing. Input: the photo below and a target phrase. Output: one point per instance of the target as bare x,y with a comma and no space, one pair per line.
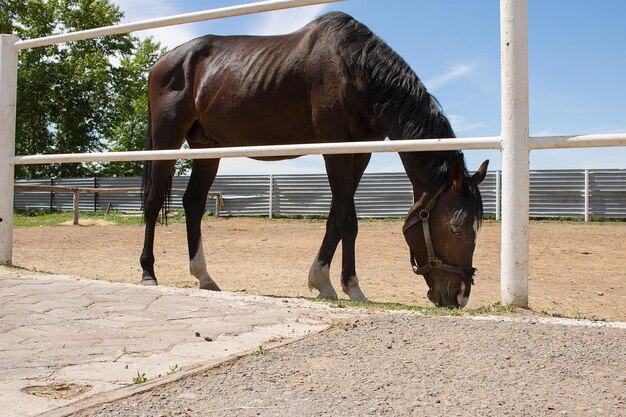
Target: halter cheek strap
433,261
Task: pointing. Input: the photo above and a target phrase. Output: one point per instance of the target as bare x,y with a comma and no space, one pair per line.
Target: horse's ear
479,175
456,171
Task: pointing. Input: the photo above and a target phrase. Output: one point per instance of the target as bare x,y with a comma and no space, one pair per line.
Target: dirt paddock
576,269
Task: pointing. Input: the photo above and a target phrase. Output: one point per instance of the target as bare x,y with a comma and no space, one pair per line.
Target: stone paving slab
59,330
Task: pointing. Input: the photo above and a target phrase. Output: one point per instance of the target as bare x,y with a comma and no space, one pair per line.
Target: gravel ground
405,364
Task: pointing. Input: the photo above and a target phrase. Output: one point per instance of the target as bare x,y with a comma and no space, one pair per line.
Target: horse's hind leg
160,174
164,132
194,201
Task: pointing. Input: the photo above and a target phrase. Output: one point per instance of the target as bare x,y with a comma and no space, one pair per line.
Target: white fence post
498,197
8,91
587,195
271,208
515,152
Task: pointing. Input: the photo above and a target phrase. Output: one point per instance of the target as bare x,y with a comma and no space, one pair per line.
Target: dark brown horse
331,81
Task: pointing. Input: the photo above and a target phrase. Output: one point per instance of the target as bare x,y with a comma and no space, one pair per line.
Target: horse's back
244,90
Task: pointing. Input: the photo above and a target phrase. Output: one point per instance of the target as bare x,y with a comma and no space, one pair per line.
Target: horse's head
441,230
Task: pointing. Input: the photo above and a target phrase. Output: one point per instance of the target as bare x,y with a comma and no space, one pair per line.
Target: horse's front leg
319,273
348,229
194,201
343,180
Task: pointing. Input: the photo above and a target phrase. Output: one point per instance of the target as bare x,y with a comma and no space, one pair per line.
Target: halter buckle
434,263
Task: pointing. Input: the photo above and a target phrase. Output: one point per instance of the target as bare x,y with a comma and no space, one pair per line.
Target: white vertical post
515,152
8,91
586,195
271,208
498,197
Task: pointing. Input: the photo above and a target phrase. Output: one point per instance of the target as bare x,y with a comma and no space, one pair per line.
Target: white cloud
445,78
285,21
135,10
544,132
171,36
459,124
138,10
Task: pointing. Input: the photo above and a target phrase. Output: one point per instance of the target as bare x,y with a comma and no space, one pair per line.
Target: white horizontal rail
220,13
267,151
581,141
411,145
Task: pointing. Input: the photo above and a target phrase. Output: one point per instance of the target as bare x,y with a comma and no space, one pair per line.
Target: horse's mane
396,93
472,203
401,101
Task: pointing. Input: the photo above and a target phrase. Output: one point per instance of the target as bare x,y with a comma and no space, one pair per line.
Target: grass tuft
496,308
42,218
140,378
174,369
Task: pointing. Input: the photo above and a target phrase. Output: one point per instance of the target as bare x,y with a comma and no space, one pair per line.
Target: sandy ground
407,365
577,269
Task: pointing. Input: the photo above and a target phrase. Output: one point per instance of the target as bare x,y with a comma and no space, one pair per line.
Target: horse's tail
147,165
146,182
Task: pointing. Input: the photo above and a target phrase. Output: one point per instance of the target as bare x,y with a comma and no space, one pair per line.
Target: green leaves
82,96
129,119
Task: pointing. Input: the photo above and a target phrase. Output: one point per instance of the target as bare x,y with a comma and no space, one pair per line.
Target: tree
130,120
9,10
83,96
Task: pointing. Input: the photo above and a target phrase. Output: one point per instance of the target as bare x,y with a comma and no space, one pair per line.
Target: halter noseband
433,261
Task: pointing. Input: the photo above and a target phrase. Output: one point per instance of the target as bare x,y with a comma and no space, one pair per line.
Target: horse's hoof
149,282
328,295
211,286
356,294
353,290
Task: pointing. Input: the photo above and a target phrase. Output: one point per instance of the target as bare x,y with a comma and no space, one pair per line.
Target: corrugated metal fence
553,193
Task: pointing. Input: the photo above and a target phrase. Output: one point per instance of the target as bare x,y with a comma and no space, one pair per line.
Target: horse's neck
415,117
422,170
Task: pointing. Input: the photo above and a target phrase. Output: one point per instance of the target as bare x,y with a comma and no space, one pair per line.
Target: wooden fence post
76,208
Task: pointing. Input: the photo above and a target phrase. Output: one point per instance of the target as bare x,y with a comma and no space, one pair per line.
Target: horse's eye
456,230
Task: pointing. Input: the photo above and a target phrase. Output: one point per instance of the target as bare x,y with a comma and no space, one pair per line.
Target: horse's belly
274,158
242,121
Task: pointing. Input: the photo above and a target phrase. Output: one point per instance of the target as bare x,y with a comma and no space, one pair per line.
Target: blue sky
577,67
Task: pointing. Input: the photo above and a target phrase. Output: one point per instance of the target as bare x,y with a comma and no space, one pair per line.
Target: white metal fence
514,141
565,193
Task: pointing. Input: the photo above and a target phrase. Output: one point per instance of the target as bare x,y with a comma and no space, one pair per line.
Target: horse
333,80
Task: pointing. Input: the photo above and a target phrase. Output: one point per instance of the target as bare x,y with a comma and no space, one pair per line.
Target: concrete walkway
65,339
